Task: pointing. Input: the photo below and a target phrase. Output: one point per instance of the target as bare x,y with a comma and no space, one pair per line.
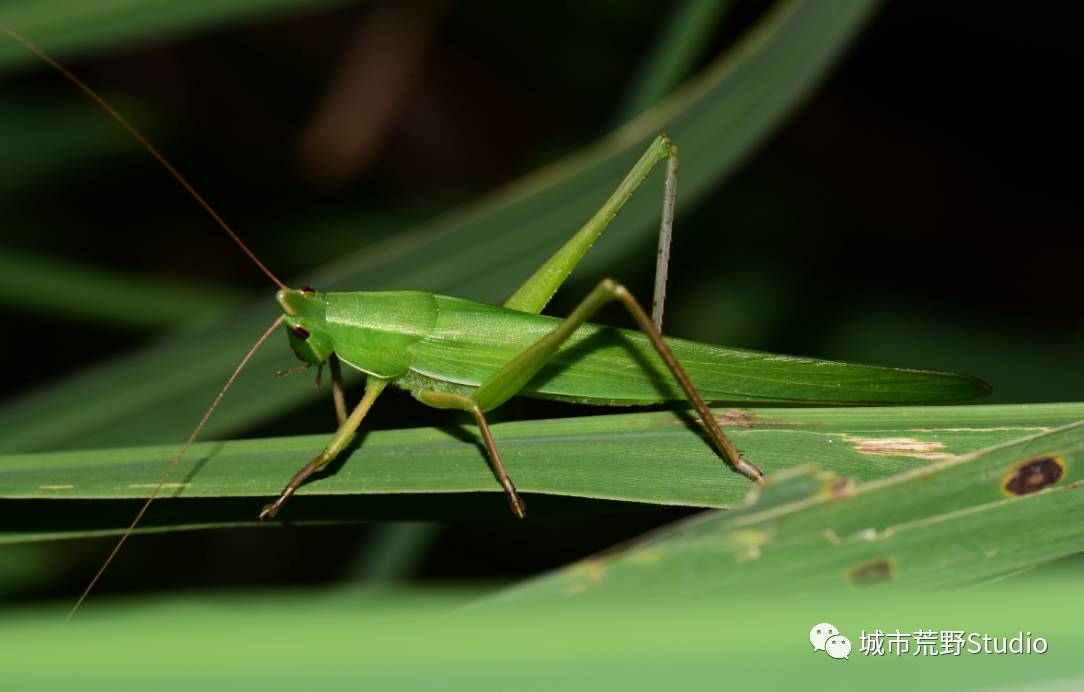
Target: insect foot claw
519,508
269,511
515,502
750,470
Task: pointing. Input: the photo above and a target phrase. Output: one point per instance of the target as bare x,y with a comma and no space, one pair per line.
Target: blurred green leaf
69,28
61,289
352,639
680,43
480,252
431,473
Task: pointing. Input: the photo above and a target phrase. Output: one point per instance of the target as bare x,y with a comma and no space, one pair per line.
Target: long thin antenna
33,47
173,465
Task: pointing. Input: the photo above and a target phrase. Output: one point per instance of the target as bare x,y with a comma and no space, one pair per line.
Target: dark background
920,209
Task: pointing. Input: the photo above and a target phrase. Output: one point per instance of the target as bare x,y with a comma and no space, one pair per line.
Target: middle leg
466,403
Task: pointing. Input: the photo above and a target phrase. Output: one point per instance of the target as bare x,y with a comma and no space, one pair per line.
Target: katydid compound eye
308,290
300,332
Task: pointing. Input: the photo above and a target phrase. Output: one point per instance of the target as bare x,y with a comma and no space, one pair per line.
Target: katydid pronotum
452,353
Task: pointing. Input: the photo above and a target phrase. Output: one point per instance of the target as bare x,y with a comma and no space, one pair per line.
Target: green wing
607,365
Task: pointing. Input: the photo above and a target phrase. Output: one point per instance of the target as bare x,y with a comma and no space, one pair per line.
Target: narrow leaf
988,514
74,27
428,473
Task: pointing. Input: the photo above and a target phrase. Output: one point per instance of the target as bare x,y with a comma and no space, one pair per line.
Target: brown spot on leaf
738,418
744,418
1032,475
872,573
900,447
841,487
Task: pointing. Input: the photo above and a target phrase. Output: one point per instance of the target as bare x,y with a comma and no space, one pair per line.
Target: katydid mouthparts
453,353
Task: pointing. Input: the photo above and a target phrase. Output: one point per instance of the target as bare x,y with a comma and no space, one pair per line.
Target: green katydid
459,354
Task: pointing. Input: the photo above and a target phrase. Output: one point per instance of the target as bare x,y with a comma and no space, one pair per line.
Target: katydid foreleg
338,391
338,394
373,387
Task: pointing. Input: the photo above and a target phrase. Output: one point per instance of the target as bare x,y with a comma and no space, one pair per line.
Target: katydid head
303,310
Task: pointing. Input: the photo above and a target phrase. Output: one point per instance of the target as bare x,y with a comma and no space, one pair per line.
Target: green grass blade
429,473
155,394
75,27
681,42
808,533
49,287
352,639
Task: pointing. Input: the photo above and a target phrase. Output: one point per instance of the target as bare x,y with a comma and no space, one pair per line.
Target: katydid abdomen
424,341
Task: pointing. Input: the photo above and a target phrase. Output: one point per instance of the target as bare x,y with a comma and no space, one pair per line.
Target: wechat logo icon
826,637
